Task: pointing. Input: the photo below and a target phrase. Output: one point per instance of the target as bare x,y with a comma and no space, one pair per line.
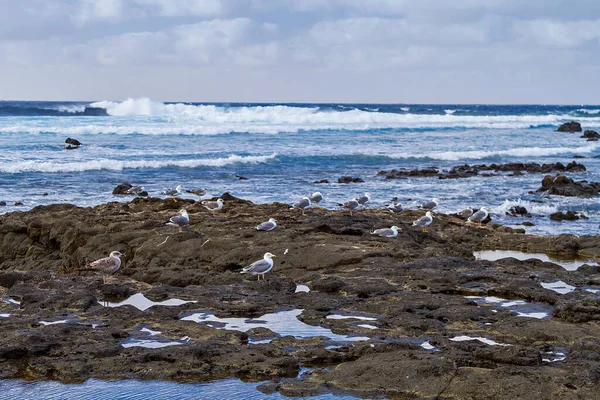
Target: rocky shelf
416,316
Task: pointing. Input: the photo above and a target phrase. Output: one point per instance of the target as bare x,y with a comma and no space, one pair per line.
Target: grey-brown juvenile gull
260,267
106,266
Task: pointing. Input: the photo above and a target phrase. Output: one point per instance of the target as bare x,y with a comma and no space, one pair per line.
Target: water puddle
590,289
520,307
553,356
147,390
350,316
284,323
62,321
302,289
493,255
4,315
465,338
150,343
427,346
142,303
559,287
367,326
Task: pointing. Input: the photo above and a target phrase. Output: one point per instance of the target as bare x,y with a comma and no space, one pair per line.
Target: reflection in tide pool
493,255
284,323
146,390
520,307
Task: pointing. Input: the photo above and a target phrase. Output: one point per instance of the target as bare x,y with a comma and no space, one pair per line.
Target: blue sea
283,148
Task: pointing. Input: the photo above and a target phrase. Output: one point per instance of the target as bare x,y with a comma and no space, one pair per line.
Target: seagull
107,265
430,204
386,232
302,204
395,206
197,192
479,216
362,200
213,205
267,226
135,190
316,197
172,192
350,205
466,213
260,267
424,221
180,221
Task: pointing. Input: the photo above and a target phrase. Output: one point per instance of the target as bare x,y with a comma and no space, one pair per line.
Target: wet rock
321,181
562,186
569,127
73,142
568,216
122,189
2,203
527,223
18,203
577,309
589,134
518,211
467,171
515,355
350,179
241,178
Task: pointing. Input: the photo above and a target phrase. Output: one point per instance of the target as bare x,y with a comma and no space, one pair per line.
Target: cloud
559,33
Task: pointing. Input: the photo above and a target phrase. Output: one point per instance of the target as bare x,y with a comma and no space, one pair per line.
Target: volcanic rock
589,134
122,188
349,179
570,127
568,216
562,186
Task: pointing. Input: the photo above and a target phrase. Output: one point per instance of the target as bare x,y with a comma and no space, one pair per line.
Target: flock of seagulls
111,264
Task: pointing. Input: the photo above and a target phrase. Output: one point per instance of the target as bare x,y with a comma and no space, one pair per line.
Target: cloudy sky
392,51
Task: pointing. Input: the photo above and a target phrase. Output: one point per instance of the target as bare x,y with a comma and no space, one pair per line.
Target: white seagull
260,267
267,226
362,200
302,204
479,216
180,221
213,205
316,198
424,221
173,192
430,204
386,232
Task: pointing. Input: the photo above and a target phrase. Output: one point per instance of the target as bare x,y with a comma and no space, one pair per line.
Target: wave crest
118,165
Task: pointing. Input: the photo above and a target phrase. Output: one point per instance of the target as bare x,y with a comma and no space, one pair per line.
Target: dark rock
122,188
518,211
45,194
69,147
562,186
349,179
322,181
583,308
570,127
592,139
467,171
577,156
528,223
18,203
2,203
73,142
241,178
589,134
568,216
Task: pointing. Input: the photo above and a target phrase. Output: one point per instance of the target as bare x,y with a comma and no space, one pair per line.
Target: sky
353,51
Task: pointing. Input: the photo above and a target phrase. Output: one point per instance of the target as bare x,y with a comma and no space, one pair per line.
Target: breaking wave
118,165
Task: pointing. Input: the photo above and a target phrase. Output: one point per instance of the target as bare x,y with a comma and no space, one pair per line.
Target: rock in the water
241,178
349,179
570,127
568,216
590,134
73,142
562,186
2,203
518,211
122,188
322,181
18,203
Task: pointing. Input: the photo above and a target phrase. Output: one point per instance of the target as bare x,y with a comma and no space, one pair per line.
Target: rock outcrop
563,186
569,127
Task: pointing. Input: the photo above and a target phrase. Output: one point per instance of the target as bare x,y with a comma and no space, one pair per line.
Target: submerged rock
518,211
589,134
569,127
350,179
122,188
568,216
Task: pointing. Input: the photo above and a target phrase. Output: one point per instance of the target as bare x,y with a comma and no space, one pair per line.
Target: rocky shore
416,316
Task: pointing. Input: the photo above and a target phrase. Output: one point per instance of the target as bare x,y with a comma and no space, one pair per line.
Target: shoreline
414,286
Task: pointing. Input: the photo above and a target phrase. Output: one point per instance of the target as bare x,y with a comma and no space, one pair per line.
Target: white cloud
559,33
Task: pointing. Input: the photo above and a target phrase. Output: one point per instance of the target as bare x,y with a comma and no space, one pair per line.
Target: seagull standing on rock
362,200
107,265
350,205
197,192
466,213
430,204
395,206
213,205
316,197
302,204
260,267
173,192
386,232
479,216
267,226
424,221
180,221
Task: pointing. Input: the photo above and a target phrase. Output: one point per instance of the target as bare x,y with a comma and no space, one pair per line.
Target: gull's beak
273,256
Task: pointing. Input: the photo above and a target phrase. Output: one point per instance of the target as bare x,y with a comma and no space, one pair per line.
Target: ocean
283,148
